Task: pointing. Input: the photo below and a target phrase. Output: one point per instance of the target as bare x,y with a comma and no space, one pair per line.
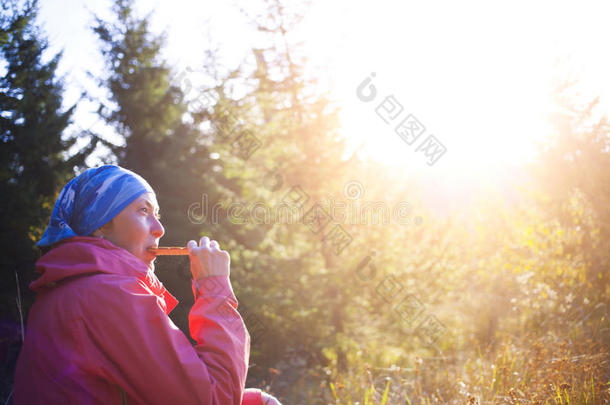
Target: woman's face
136,228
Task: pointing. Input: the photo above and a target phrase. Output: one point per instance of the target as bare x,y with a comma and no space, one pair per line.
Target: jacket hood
87,255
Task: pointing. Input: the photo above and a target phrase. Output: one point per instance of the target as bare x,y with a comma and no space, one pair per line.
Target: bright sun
481,87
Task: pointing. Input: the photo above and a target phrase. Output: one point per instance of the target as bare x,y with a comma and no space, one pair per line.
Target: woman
99,333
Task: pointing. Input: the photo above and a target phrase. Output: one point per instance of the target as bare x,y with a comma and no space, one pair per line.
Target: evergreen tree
34,156
146,109
292,270
34,161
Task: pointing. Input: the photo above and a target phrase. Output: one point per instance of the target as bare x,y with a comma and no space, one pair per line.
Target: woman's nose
157,229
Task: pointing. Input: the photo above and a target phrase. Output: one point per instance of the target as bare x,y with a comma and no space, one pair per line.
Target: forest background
357,280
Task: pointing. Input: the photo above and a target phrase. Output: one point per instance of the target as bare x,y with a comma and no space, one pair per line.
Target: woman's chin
148,259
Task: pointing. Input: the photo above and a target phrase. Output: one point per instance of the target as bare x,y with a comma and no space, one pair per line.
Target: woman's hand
207,259
269,399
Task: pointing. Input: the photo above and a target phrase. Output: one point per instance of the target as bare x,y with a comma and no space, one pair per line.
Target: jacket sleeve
252,396
129,341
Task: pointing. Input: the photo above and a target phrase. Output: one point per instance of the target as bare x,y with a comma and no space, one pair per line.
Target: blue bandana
90,200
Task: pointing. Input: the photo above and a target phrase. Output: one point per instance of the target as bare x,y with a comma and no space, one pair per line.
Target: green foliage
296,275
34,159
33,153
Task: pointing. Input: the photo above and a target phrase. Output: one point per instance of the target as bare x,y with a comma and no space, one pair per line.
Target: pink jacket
99,333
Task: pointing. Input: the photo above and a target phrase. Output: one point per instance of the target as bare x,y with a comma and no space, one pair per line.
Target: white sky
477,74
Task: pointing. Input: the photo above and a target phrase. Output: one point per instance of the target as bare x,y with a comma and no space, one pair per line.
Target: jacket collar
83,255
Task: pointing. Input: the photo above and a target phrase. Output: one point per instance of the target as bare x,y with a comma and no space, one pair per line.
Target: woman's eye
145,209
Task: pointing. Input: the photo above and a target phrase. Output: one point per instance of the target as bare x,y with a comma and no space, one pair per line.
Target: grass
544,372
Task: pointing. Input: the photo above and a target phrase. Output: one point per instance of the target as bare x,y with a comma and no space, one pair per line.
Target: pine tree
146,109
291,270
34,157
34,160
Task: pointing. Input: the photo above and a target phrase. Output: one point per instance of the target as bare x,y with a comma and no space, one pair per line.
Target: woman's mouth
150,253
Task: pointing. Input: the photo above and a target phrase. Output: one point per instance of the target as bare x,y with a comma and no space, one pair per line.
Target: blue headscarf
90,200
